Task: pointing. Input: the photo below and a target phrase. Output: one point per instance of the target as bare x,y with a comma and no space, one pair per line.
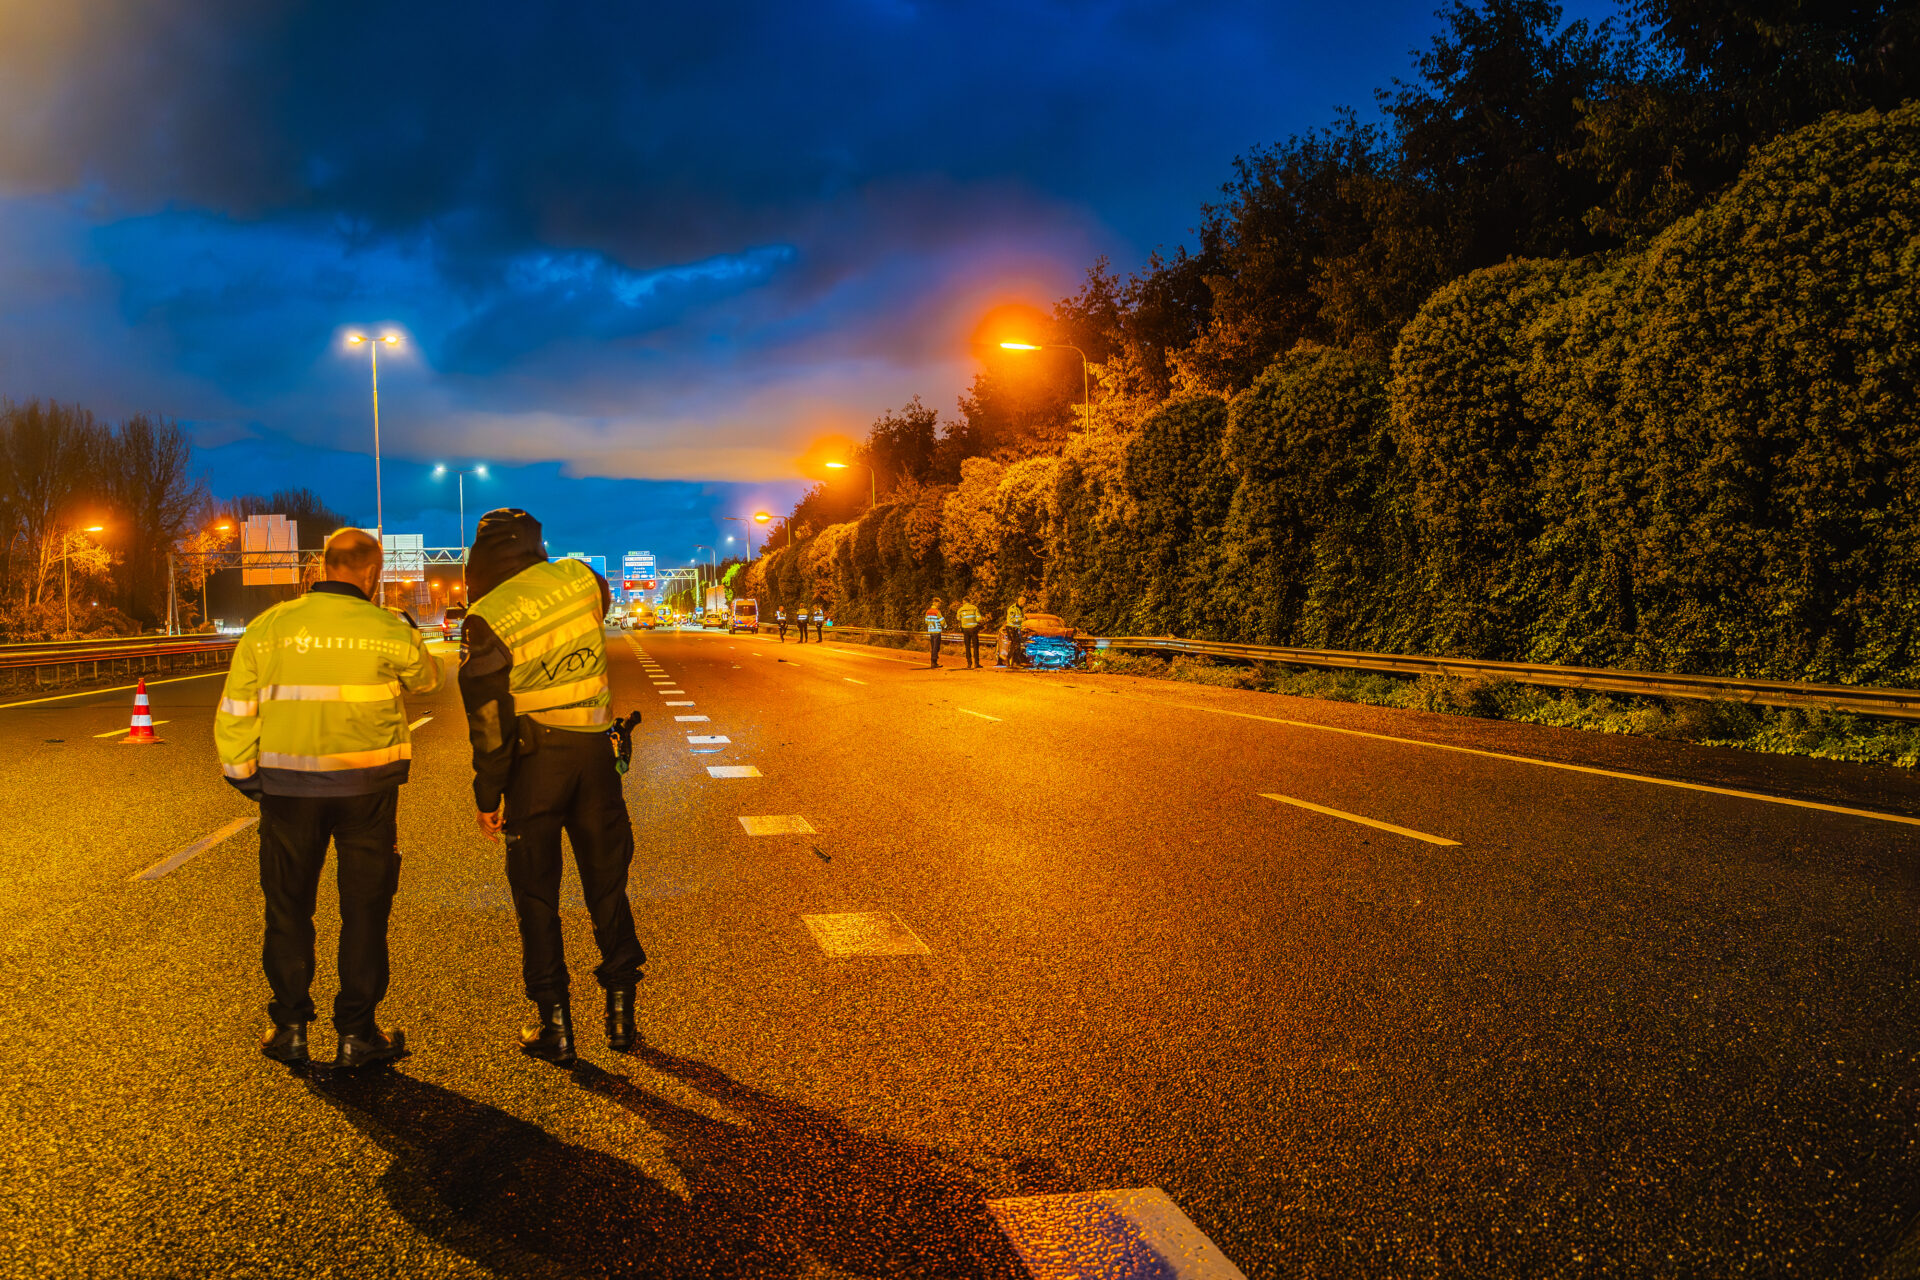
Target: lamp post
207,572
461,481
379,508
873,480
1086,382
749,524
66,569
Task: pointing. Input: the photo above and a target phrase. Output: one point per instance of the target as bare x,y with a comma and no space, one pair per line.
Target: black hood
507,541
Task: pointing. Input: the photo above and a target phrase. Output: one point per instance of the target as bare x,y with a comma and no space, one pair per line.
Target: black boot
621,1033
286,1043
552,1039
362,1050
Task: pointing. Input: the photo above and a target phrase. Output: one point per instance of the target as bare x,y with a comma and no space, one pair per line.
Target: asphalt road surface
1546,1021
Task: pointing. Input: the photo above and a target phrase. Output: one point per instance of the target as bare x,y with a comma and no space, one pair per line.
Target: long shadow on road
785,1185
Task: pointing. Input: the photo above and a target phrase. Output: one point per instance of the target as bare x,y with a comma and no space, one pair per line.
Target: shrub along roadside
1827,735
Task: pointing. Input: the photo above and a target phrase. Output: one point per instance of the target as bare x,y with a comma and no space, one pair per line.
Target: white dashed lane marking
785,824
417,723
708,740
1365,822
983,715
851,680
669,692
195,849
686,719
1119,1234
865,933
679,704
733,771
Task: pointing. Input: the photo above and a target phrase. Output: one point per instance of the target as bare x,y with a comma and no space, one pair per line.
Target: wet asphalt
1617,1029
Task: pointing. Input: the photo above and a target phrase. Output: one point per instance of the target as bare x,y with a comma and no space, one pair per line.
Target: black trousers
820,632
971,645
933,648
803,631
1016,652
294,831
783,631
569,783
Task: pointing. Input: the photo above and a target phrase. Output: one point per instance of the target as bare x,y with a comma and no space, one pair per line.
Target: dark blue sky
641,253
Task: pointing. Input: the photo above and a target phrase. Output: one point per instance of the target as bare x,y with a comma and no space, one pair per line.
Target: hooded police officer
533,676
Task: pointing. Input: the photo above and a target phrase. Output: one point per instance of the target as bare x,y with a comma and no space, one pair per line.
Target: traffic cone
142,731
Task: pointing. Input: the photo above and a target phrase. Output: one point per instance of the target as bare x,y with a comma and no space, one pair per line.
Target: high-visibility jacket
548,617
312,705
935,622
779,615
1015,618
969,616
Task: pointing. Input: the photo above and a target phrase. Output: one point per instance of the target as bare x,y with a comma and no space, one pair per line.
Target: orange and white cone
142,731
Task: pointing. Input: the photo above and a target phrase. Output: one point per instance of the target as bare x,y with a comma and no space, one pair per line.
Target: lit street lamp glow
1086,382
873,480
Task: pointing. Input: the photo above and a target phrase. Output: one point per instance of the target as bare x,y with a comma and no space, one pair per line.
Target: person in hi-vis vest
313,726
1016,622
780,618
968,616
819,623
533,676
936,623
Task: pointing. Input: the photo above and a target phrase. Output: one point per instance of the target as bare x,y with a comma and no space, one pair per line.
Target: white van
745,617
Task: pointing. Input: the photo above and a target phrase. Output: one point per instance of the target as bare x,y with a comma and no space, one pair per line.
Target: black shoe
551,1040
286,1043
621,1033
375,1046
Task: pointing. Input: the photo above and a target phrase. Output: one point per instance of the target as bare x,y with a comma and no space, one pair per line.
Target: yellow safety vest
548,617
312,704
1015,618
969,617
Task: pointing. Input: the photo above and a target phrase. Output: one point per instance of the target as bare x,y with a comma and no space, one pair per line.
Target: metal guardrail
55,665
1901,704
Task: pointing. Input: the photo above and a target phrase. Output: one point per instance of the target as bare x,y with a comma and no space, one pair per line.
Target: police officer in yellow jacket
311,725
969,618
533,676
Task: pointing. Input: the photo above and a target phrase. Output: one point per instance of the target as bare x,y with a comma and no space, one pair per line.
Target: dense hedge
1704,456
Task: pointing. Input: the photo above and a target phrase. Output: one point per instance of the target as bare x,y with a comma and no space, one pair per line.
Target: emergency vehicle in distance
745,617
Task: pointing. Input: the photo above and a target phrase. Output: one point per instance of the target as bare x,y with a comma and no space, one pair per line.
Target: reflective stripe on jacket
935,622
548,617
969,617
312,704
1015,618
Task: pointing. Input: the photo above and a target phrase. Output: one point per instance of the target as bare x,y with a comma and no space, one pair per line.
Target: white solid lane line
195,849
417,723
733,771
114,733
1354,817
119,688
983,715
1544,764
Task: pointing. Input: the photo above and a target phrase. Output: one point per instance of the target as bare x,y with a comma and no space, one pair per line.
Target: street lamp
66,569
207,572
1086,383
873,480
379,508
463,473
749,524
